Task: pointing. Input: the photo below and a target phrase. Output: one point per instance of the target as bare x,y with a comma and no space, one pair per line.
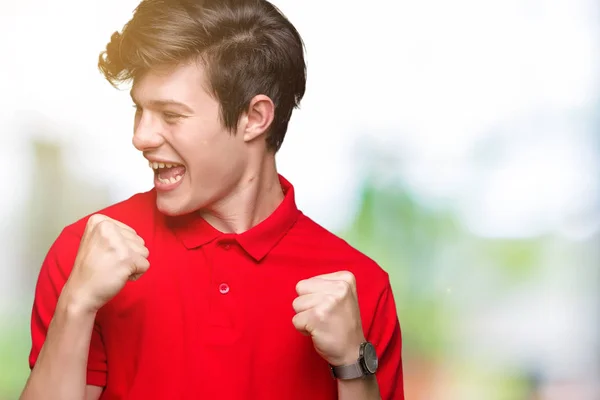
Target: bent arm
359,389
67,354
61,368
385,334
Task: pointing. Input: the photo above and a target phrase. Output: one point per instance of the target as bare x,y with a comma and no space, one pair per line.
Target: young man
212,285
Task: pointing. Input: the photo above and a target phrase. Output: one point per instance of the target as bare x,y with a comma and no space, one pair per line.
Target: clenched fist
110,254
327,310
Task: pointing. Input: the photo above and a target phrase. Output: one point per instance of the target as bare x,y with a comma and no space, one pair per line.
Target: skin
231,179
327,310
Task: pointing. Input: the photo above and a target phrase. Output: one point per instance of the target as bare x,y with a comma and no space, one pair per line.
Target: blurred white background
486,110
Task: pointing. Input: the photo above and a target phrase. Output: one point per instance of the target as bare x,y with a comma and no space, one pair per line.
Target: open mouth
167,173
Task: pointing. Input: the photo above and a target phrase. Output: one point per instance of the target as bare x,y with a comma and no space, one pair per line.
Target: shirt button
224,288
226,246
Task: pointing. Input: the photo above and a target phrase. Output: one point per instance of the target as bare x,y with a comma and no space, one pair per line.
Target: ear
258,118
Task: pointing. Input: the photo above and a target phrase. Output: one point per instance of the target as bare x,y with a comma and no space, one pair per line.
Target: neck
255,197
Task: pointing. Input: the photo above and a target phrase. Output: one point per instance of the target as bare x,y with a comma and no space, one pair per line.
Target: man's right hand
110,254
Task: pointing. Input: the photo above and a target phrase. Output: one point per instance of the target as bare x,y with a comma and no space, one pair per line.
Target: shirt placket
223,291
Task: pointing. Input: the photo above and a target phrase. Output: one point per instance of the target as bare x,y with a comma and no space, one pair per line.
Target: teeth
157,165
173,179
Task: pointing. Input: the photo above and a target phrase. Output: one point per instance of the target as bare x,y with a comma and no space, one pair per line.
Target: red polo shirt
212,317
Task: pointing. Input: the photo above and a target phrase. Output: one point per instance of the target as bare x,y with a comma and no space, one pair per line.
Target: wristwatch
365,365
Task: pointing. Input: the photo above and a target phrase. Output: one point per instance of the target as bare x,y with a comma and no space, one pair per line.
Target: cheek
209,151
216,165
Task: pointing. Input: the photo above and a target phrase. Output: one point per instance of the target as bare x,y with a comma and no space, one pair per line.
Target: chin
172,207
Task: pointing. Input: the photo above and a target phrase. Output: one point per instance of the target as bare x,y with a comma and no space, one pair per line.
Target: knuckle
331,299
320,314
296,320
348,277
122,253
144,265
122,257
342,288
300,285
95,219
104,227
114,241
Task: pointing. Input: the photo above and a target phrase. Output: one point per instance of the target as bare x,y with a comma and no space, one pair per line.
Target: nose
146,133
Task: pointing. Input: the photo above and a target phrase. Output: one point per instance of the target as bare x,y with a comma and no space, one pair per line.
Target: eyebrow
163,103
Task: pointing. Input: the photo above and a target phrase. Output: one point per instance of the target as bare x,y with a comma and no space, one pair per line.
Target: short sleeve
385,335
53,274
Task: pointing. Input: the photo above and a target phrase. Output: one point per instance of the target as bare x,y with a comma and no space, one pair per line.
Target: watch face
370,358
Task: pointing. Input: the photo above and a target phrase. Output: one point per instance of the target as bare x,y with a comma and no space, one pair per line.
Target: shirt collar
194,231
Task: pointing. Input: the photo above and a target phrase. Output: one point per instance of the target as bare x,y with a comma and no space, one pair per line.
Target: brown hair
247,46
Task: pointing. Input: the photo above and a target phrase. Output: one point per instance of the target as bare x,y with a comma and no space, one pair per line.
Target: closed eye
169,115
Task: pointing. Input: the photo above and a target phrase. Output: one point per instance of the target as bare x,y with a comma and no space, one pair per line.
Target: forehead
183,82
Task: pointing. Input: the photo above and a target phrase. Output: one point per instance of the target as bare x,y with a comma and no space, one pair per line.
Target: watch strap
351,371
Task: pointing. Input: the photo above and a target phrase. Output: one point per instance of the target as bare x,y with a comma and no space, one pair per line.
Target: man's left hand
327,310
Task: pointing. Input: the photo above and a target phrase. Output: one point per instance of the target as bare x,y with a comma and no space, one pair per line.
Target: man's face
195,160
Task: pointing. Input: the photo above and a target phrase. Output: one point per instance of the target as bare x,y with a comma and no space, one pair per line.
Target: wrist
365,365
351,355
364,388
74,304
349,358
